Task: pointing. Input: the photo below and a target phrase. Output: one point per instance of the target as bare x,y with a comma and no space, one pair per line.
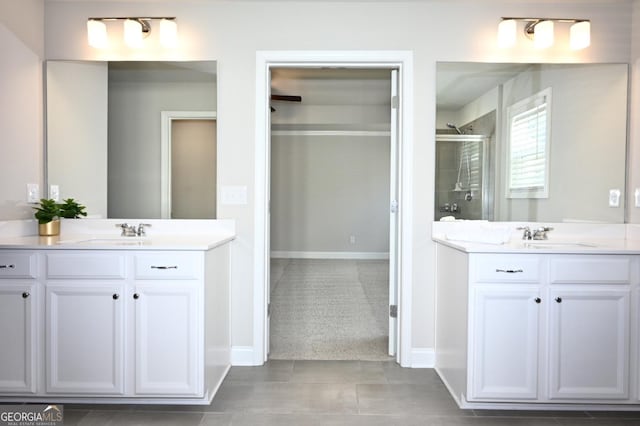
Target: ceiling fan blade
288,98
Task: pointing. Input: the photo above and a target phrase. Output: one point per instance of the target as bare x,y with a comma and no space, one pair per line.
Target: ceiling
458,83
163,71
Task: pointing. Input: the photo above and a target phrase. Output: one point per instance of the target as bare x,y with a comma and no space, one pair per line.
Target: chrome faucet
141,229
539,233
131,230
526,235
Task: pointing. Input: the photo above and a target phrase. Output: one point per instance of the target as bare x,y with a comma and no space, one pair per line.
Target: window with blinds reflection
528,152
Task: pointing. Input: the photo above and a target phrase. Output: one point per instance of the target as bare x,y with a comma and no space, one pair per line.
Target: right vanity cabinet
540,328
169,331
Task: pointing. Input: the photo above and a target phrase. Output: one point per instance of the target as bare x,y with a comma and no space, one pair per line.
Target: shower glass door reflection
462,179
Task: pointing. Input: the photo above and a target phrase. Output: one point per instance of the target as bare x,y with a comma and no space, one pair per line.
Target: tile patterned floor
332,393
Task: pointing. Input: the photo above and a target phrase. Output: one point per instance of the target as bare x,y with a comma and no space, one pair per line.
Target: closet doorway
333,201
188,164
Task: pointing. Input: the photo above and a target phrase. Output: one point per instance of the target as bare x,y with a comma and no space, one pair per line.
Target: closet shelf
368,129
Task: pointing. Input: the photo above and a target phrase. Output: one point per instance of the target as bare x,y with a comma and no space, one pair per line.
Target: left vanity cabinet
84,322
136,325
19,302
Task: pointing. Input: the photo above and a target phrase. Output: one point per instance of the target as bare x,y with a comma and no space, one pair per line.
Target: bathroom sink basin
108,240
557,244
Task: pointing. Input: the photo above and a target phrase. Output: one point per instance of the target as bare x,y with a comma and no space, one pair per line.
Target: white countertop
101,234
557,246
102,242
569,238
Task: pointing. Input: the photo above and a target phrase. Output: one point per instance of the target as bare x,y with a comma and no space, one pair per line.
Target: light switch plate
636,195
614,198
33,193
54,192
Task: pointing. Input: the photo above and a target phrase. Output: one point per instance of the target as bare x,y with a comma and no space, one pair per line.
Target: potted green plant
71,209
47,212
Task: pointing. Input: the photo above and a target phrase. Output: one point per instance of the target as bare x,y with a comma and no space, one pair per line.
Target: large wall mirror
531,142
133,139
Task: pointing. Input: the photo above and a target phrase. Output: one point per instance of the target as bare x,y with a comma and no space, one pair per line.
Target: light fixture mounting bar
142,20
541,31
135,29
529,28
123,18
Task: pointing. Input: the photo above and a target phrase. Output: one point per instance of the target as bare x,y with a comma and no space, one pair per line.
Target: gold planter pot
49,229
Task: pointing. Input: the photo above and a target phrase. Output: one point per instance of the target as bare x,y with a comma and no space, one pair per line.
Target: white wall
21,104
231,32
77,132
325,189
579,95
134,139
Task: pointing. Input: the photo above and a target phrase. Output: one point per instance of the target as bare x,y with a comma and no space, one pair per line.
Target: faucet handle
124,227
141,231
526,235
541,232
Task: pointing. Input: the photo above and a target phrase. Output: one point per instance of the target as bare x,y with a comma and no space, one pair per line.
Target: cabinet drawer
590,270
169,266
506,268
18,265
85,265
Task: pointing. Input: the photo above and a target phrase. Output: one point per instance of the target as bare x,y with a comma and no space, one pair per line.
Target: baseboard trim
423,358
420,357
242,356
360,255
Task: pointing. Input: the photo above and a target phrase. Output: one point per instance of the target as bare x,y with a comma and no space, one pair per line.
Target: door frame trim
403,61
166,121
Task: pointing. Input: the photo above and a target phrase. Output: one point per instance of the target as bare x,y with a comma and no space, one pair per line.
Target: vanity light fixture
168,32
97,33
541,31
135,30
580,35
507,31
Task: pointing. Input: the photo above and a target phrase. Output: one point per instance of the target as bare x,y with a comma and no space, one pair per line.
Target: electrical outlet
54,192
352,239
614,198
233,195
33,193
636,195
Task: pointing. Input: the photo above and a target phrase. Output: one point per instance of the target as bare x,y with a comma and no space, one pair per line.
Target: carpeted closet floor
329,309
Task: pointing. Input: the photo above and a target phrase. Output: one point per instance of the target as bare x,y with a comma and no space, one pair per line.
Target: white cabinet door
85,335
169,338
589,343
504,342
18,305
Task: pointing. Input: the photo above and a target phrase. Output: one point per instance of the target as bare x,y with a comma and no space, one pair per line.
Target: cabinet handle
559,299
25,295
510,271
116,296
136,296
7,266
164,267
537,300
